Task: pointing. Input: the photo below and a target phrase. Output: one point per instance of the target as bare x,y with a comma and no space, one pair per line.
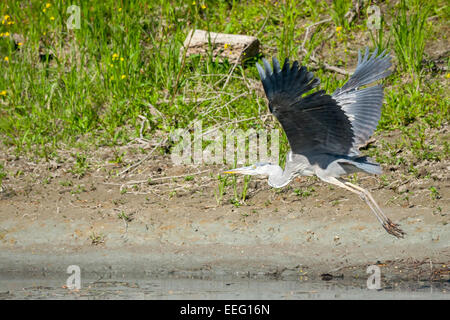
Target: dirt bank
177,226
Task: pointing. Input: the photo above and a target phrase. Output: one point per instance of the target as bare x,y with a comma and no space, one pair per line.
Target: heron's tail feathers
368,165
291,81
370,69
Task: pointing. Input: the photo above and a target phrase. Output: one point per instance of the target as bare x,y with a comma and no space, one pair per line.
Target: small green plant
172,193
122,215
311,8
78,189
384,180
66,183
97,239
235,199
438,210
118,157
245,188
304,192
335,202
235,202
2,174
19,173
434,193
81,165
221,188
353,178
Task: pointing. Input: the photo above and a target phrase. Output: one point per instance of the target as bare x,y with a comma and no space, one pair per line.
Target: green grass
90,87
3,174
305,192
338,10
410,30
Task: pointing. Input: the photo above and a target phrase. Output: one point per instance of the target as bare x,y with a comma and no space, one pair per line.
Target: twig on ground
351,14
134,166
262,28
197,100
326,65
234,67
141,130
309,27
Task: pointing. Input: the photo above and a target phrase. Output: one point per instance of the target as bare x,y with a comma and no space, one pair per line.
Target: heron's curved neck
278,178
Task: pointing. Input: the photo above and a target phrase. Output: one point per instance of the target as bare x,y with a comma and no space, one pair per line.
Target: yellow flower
193,3
447,75
121,59
20,44
3,21
338,29
48,5
43,10
6,59
115,56
3,93
120,9
52,18
225,46
1,34
123,76
6,34
11,22
203,7
112,78
7,17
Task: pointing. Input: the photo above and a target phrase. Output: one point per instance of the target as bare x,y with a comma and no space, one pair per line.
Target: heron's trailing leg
390,227
387,224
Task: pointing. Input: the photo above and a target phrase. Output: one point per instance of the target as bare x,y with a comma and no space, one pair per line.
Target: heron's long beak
243,170
230,171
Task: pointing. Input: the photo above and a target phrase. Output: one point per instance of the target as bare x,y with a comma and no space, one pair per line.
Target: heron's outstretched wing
314,123
363,107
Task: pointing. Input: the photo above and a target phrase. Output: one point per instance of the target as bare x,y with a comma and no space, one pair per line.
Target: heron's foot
393,228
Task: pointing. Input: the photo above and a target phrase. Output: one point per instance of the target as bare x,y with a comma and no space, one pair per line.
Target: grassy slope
90,87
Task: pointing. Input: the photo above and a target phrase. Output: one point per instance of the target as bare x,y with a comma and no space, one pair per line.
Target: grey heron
325,131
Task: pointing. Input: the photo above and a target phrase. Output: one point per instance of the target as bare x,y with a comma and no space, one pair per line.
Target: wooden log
234,47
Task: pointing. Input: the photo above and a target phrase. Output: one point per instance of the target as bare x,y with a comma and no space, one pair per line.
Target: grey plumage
313,124
363,107
325,131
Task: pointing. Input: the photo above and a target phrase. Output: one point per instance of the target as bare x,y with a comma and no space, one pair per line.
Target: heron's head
260,168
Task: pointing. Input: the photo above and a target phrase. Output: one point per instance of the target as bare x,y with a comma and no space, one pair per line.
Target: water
182,288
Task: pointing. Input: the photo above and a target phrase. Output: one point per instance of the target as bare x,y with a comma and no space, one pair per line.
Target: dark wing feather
363,107
314,123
